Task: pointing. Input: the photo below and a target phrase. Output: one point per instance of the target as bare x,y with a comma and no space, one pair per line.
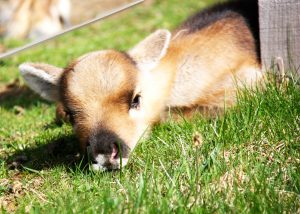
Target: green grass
247,161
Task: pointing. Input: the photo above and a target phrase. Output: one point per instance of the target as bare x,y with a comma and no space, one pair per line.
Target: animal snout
107,151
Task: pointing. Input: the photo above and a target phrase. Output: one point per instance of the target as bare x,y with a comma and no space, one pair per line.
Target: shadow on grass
16,95
63,151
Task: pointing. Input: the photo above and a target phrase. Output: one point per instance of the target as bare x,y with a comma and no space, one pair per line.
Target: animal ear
151,50
43,79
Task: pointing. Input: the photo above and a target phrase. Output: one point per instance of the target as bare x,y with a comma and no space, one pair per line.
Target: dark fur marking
126,98
247,9
64,84
126,55
102,141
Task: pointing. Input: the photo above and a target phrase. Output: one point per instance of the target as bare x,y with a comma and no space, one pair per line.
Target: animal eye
135,103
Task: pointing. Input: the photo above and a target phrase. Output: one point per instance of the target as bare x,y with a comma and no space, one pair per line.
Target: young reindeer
113,97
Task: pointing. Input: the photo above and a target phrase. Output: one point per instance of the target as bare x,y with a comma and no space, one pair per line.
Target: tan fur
219,70
215,68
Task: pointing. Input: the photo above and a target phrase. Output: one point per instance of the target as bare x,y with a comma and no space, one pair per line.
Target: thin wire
105,15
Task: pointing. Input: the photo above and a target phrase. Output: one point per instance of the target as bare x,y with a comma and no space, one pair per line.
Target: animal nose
107,151
116,159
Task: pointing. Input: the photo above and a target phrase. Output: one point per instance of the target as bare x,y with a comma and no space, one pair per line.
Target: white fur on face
102,162
100,159
139,116
124,162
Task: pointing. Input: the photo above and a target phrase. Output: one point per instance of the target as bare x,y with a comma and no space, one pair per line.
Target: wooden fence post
280,32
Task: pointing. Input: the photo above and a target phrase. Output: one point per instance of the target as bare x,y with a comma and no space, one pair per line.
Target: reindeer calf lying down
113,97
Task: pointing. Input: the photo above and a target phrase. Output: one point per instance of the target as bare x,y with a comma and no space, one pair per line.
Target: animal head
112,97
